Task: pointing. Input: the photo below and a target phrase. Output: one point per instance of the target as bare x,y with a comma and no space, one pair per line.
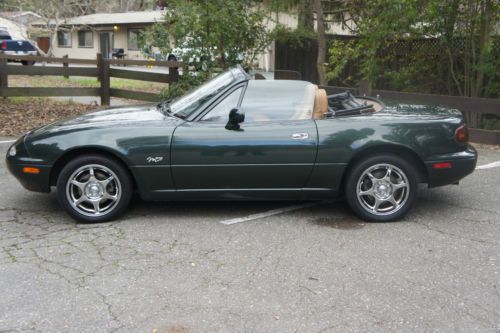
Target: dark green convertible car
239,139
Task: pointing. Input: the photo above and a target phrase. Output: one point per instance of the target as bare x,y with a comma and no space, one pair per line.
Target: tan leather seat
320,104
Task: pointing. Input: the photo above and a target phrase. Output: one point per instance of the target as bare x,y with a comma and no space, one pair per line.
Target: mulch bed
18,117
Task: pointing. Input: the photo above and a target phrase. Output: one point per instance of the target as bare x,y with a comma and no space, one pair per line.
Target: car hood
136,116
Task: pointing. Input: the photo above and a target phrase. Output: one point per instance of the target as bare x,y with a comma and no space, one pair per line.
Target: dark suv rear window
4,35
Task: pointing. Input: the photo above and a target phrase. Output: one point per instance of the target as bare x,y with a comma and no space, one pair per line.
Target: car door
262,159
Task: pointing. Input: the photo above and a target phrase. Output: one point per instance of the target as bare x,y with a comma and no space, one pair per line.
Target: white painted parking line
8,141
489,166
269,213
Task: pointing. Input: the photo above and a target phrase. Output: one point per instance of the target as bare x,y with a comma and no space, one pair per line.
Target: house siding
120,41
103,22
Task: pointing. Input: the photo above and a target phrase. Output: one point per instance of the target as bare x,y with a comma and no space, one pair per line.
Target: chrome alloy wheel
93,190
383,189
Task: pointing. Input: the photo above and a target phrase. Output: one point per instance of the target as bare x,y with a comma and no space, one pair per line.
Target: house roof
16,30
114,18
13,15
20,17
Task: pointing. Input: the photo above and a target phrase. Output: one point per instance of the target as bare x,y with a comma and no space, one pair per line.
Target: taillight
462,134
442,165
4,45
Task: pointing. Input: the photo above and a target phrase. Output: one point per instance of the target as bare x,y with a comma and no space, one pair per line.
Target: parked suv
4,34
18,47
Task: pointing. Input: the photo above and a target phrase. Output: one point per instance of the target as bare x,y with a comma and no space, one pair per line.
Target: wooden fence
471,108
99,68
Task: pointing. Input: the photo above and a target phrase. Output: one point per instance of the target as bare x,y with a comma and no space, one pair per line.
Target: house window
85,39
64,39
134,36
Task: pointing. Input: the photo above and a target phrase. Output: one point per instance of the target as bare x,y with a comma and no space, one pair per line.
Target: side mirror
235,119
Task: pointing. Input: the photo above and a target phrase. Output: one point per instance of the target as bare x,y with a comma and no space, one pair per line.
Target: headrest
320,104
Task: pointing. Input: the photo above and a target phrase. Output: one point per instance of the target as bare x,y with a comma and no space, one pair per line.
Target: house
85,36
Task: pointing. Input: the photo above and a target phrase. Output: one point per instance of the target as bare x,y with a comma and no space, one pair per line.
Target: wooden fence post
4,80
173,72
103,68
365,88
65,66
99,59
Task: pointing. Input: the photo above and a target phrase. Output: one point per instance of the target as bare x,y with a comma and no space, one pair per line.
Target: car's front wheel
94,188
382,188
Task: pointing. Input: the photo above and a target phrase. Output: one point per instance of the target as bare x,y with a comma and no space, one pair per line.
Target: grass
54,81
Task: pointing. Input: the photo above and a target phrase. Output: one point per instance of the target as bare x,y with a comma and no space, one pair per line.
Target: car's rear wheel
94,188
382,188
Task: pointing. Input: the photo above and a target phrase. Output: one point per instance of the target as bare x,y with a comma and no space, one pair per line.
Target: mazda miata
234,138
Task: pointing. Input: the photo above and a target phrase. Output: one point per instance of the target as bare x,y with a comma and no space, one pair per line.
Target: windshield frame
210,90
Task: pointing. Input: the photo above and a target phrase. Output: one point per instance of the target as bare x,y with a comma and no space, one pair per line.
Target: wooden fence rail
472,108
99,68
465,104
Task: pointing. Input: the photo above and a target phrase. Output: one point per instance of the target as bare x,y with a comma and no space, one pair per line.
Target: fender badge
151,159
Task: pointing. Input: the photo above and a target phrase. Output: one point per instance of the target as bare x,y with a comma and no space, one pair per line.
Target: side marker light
31,170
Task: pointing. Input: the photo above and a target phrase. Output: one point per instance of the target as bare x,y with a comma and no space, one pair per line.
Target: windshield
187,104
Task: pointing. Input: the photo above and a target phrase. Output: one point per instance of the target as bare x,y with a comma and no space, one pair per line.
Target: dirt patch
489,147
172,329
20,116
342,223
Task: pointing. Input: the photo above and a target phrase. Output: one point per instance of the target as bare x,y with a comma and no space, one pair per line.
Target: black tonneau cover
345,104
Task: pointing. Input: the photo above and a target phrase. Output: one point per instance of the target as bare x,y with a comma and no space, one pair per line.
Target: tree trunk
306,15
450,18
320,62
484,39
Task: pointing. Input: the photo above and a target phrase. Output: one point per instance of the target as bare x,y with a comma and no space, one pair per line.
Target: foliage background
437,46
210,36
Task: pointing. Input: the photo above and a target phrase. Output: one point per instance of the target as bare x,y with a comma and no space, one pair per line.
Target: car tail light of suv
4,45
462,134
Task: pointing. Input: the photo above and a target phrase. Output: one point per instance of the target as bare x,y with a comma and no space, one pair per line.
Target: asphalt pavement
174,267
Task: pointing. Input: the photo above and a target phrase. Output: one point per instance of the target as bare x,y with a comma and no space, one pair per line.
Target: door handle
300,136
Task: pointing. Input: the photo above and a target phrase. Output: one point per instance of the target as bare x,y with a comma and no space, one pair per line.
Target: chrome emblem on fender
154,159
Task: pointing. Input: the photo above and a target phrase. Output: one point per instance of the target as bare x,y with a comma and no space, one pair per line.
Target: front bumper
462,164
39,182
34,182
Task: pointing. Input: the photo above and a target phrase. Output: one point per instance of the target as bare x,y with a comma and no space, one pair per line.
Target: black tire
94,188
376,194
27,63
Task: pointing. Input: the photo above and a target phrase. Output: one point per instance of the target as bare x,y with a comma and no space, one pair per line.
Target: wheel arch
400,151
73,153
